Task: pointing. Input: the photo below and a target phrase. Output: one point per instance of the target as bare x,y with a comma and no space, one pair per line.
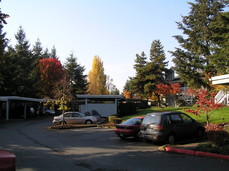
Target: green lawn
218,116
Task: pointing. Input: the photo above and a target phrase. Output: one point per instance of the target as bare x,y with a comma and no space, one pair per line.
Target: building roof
81,96
7,98
220,80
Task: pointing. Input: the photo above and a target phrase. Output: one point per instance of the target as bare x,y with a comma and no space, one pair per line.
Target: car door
77,118
189,125
177,125
68,117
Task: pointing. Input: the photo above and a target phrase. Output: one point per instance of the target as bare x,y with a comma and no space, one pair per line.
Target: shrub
114,119
211,148
217,135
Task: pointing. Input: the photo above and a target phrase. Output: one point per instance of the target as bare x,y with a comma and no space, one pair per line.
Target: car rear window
151,119
132,121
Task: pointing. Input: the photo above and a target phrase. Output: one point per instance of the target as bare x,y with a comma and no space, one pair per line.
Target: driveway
96,149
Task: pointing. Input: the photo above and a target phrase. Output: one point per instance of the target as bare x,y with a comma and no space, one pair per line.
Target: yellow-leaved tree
97,78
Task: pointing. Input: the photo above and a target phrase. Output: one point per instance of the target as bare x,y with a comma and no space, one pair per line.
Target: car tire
171,139
122,137
87,122
65,123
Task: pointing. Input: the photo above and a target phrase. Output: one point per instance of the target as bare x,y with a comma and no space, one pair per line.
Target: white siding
104,110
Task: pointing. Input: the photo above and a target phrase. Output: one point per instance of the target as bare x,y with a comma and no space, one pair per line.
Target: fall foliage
51,71
205,103
97,78
168,89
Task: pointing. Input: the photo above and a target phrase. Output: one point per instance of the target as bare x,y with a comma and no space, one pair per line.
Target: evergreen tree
18,77
220,38
37,50
53,53
46,53
139,79
193,61
75,73
3,57
128,90
25,63
155,68
149,73
97,78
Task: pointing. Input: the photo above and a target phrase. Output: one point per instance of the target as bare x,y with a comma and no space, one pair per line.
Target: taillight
160,128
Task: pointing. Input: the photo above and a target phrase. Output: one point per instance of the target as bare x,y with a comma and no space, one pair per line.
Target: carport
105,105
9,104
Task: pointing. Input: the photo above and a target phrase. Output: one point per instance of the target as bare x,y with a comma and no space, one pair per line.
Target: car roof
163,113
140,117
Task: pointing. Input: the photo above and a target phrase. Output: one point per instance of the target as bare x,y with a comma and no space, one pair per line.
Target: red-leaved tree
168,90
51,72
205,103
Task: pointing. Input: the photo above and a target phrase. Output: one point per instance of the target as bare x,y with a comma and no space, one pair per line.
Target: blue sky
115,30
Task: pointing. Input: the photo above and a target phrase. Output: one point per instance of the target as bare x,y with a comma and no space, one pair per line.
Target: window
186,119
151,119
68,115
176,118
167,119
76,115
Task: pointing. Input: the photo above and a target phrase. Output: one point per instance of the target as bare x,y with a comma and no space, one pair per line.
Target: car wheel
171,139
122,137
88,122
64,122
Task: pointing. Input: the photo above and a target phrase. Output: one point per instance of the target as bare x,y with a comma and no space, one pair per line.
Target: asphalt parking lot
38,148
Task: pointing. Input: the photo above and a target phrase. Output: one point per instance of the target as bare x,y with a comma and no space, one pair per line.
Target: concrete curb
196,153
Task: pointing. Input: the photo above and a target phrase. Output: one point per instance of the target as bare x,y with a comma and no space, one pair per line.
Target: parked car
93,113
129,128
7,160
74,118
169,126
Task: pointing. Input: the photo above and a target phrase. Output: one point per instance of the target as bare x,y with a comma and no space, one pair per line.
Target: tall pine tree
3,56
138,81
193,61
75,73
220,38
155,68
25,64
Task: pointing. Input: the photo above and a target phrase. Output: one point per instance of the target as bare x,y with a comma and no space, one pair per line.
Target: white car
74,118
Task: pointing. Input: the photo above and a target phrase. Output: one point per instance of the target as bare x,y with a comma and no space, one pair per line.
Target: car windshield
133,121
151,119
82,114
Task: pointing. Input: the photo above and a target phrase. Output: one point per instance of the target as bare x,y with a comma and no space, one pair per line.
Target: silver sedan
74,118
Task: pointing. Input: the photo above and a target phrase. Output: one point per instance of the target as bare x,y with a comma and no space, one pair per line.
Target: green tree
139,78
128,90
97,78
37,50
75,73
220,38
155,68
25,64
193,61
149,73
53,53
3,58
18,79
